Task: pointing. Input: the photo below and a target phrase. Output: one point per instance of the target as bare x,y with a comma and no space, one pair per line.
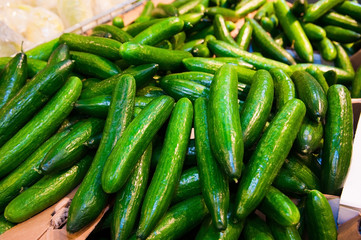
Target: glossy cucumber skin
194,76
191,19
221,31
13,78
159,31
284,87
288,183
350,8
279,208
34,65
344,21
255,228
337,148
293,30
245,7
104,47
341,35
128,200
92,65
227,13
342,60
46,192
183,88
59,54
269,156
214,182
28,100
141,54
135,139
268,45
327,49
117,34
223,49
135,28
309,137
314,32
5,224
142,74
356,85
189,185
257,107
40,127
265,10
169,168
280,232
312,94
318,75
90,199
244,36
43,51
27,173
225,132
71,149
318,9
319,217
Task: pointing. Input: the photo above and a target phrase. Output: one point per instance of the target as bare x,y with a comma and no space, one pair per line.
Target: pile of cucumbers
184,131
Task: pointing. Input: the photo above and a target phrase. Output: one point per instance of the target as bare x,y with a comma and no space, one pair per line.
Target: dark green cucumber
146,13
309,137
150,91
316,10
135,139
116,33
189,185
188,46
356,85
257,107
327,49
141,54
71,149
128,200
284,87
13,77
198,77
268,45
169,168
299,7
142,75
43,51
159,31
342,60
5,224
269,156
190,19
337,148
280,232
255,228
90,199
60,54
318,75
34,65
343,21
350,8
214,182
93,65
319,218
89,81
178,40
293,30
245,7
243,38
223,49
225,133
135,28
228,14
312,161
265,10
221,31
267,24
280,208
180,219
288,183
184,88
29,100
103,47
40,127
312,94
341,35
27,173
313,31
201,50
46,192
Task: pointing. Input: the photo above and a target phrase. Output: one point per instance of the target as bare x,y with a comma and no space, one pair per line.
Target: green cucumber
90,199
353,9
284,87
255,228
312,94
228,14
327,49
294,31
40,127
280,232
265,10
318,75
319,217
141,54
214,182
13,78
146,13
34,65
169,168
60,54
93,65
128,200
280,208
267,159
71,149
187,7
248,6
188,46
244,36
289,183
343,21
221,31
150,91
198,77
318,9
201,50
356,85
341,35
337,148
116,33
313,31
29,100
309,137
189,185
190,19
47,191
257,107
164,10
299,7
135,28
267,24
135,139
184,88
5,224
178,40
43,51
225,133
342,60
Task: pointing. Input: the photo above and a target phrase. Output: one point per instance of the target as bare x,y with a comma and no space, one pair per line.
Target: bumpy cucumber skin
288,183
342,60
183,88
255,228
225,132
314,32
43,51
341,35
268,157
189,185
116,33
356,85
284,87
327,49
337,148
221,31
244,36
90,199
309,137
318,9
5,224
283,233
169,168
318,75
257,107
